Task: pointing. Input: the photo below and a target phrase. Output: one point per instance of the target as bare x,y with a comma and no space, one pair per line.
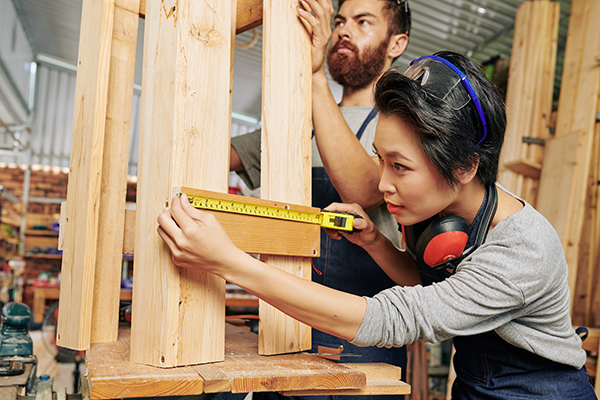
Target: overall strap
369,118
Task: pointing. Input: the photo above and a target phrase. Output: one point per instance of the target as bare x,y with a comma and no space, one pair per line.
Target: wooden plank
506,177
286,151
578,21
381,379
525,167
529,95
112,375
249,14
83,190
255,235
184,141
109,258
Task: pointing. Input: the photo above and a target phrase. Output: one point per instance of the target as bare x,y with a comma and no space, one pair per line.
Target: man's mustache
344,43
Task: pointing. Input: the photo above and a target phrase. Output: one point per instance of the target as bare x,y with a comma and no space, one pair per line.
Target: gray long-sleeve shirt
514,284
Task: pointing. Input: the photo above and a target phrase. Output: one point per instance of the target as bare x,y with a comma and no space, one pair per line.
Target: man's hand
317,15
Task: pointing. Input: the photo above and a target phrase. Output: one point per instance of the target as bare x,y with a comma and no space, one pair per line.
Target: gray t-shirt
248,149
514,284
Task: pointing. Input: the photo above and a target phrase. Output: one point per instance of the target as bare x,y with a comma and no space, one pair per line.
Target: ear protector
440,242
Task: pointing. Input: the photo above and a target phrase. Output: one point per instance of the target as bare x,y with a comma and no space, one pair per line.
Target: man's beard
360,71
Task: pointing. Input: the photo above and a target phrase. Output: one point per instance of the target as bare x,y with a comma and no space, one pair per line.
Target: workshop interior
40,128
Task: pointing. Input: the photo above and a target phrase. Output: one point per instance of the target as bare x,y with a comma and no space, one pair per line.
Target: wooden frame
184,142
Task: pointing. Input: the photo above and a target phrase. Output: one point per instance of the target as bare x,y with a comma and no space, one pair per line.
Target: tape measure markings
327,219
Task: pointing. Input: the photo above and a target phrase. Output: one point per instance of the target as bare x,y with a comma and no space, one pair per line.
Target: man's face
359,43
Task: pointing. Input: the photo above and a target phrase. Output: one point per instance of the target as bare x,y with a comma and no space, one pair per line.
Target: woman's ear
467,174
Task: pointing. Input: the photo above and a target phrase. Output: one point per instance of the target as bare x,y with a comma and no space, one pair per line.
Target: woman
482,266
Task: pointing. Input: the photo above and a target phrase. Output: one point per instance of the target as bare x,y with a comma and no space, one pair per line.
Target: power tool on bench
18,364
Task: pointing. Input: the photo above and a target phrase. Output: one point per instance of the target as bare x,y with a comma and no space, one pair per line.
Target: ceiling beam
249,14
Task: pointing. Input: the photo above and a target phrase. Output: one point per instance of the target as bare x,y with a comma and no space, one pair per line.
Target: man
367,36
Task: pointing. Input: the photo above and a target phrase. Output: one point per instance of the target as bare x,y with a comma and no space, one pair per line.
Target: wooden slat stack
529,95
568,192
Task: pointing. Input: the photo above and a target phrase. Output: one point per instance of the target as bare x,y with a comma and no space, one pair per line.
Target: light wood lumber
578,102
109,258
286,151
249,14
381,379
525,167
184,141
110,373
257,235
83,190
529,95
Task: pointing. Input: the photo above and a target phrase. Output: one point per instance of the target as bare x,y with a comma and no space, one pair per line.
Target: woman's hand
195,238
368,234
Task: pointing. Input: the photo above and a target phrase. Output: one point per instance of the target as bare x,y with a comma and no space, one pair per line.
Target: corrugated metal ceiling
481,29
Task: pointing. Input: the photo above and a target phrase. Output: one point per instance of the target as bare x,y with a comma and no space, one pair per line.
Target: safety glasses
441,79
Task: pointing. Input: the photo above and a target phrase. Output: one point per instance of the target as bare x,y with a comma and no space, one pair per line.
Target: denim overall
488,367
346,267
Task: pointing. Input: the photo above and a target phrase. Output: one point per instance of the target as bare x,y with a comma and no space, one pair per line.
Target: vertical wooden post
178,315
286,150
83,191
109,257
529,95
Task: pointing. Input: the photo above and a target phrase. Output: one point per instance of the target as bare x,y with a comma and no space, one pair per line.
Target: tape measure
326,219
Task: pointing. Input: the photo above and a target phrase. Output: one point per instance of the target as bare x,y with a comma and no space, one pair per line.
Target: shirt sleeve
472,301
248,148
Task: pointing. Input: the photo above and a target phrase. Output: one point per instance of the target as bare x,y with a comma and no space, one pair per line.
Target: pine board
83,190
184,141
286,151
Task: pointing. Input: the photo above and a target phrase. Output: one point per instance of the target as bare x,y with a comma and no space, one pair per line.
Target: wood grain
83,190
112,375
249,14
286,151
111,213
529,95
184,141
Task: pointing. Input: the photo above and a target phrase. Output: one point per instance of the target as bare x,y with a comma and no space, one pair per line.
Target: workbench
111,375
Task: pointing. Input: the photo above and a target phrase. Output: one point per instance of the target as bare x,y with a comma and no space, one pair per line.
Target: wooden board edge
249,14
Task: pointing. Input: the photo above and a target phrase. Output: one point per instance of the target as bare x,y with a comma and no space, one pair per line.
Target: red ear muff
437,241
444,247
445,238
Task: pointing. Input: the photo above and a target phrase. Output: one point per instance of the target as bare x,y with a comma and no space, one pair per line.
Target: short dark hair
398,15
449,137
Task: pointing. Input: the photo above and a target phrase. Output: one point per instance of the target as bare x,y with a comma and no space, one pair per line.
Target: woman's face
412,187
